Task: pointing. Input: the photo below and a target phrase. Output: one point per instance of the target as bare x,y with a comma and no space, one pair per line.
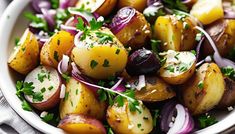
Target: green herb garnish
229,72
36,22
106,63
93,64
200,85
206,120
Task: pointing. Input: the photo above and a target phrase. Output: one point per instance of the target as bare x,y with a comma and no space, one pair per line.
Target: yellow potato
102,7
175,34
204,90
80,124
137,4
80,100
26,56
155,90
178,68
52,51
207,11
123,121
136,32
100,61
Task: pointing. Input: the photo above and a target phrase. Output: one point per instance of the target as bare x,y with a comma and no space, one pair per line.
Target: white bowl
12,25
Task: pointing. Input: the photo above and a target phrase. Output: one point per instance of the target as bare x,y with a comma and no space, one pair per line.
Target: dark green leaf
95,25
48,117
25,105
93,64
106,63
37,97
206,120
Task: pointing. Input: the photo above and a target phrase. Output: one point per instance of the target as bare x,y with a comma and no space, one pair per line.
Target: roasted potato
135,33
178,68
123,121
228,98
79,99
80,124
52,51
101,59
155,90
207,11
137,4
176,32
102,7
222,32
26,55
204,90
46,82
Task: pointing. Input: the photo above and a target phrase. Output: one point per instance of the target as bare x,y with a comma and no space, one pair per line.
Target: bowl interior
12,25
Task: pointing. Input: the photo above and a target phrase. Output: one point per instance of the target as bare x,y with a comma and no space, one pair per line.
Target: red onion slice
85,15
117,84
37,5
62,91
122,18
179,120
141,82
49,16
77,41
64,4
63,65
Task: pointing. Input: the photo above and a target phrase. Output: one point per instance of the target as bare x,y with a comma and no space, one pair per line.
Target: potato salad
127,66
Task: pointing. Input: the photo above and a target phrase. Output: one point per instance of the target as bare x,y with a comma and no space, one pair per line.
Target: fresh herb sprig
175,4
112,96
229,72
36,21
206,120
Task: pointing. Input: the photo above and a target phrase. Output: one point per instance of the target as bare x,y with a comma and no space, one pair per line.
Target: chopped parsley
95,25
54,4
206,120
48,117
56,56
175,4
156,114
200,85
93,64
155,45
41,77
66,96
106,63
36,21
66,77
17,40
186,26
138,125
183,67
117,51
43,90
25,105
229,72
170,68
194,52
50,88
104,37
37,97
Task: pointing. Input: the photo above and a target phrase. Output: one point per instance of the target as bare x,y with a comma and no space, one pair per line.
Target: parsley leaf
65,77
229,72
41,77
36,22
95,25
54,4
93,64
206,120
175,4
80,24
104,37
37,97
48,117
25,105
156,114
17,40
106,63
155,45
200,85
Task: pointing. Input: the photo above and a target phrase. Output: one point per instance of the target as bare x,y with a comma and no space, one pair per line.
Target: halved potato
176,32
207,11
47,82
80,124
79,99
204,90
228,98
102,7
123,121
222,32
179,67
155,90
98,59
137,4
26,56
52,51
136,32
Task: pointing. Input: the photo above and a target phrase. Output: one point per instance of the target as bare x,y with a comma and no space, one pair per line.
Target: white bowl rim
6,26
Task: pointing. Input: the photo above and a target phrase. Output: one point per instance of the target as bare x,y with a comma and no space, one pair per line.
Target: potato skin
156,90
75,123
104,9
122,121
137,4
113,53
222,32
26,56
200,100
136,32
81,100
173,34
52,51
178,77
228,98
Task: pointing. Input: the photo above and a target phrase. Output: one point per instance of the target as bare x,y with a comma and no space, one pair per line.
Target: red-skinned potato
102,7
131,27
80,124
46,81
228,98
137,4
26,55
222,32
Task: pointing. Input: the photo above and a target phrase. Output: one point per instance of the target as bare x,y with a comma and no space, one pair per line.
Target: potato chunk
204,90
80,100
26,56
